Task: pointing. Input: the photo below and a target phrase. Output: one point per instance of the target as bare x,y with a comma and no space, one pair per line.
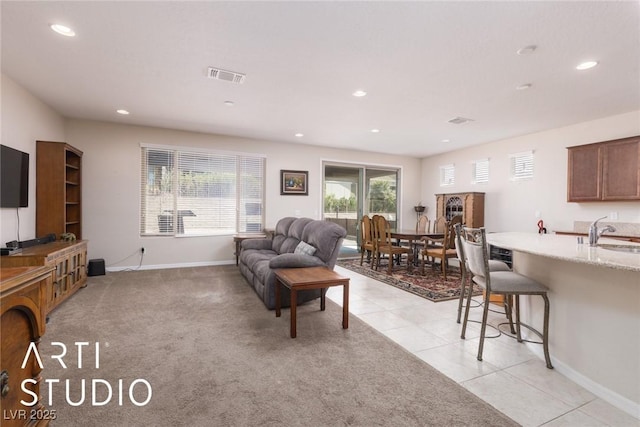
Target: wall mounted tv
14,178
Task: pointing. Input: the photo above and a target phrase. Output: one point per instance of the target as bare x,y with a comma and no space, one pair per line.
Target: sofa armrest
289,260
256,244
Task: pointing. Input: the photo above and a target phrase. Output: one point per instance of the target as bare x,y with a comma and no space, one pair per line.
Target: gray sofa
260,257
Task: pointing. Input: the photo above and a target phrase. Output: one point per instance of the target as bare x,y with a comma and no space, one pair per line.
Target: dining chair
439,224
366,238
423,224
476,254
384,244
494,265
443,248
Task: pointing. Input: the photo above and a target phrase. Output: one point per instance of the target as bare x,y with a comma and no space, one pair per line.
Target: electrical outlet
613,216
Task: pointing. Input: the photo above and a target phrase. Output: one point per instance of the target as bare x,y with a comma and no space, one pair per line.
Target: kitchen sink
621,248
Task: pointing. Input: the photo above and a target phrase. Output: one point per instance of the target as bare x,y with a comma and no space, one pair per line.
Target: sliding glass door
351,191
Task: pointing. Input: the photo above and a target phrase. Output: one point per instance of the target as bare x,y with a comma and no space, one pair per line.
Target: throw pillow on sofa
305,249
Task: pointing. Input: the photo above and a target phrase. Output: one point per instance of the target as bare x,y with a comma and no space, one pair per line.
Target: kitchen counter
595,310
566,248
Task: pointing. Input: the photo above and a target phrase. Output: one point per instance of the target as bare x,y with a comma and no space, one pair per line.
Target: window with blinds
480,171
191,192
447,175
521,165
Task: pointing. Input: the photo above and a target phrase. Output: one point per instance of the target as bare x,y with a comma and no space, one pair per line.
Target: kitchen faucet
594,233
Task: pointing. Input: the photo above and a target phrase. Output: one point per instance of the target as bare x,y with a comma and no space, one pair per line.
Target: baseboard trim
164,266
629,406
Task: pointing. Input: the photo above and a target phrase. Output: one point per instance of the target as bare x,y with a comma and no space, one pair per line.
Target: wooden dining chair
384,244
423,225
366,239
439,224
443,248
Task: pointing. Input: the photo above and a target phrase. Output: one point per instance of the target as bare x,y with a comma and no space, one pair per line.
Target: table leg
294,303
237,251
322,298
278,302
345,306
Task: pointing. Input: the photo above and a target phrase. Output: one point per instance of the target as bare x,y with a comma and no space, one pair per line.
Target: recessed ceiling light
375,130
445,140
123,112
359,93
459,120
61,29
527,50
229,103
586,65
524,86
299,135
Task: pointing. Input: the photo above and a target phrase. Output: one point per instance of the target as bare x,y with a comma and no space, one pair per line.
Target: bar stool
474,247
494,265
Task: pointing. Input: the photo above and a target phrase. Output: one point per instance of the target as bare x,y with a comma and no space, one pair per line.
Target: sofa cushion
281,232
294,235
325,236
305,249
251,257
295,261
255,244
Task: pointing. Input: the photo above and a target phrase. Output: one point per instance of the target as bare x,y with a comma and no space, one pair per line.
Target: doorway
351,191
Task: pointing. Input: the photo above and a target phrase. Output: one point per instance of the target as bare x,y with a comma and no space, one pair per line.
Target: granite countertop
566,248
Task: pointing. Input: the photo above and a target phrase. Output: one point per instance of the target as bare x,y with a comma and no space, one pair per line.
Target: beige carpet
215,356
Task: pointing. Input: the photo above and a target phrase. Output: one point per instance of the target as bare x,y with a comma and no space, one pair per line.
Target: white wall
111,179
25,119
111,189
512,206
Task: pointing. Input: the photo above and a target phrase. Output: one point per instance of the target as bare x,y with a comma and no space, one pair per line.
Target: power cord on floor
141,252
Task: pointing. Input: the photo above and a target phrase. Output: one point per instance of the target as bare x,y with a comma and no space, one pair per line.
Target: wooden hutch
469,205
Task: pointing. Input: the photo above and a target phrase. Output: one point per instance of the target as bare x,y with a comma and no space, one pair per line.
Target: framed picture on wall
294,183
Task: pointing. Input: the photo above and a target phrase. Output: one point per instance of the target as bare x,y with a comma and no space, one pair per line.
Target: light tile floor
511,377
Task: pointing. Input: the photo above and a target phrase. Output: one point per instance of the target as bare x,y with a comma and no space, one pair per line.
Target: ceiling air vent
459,120
229,76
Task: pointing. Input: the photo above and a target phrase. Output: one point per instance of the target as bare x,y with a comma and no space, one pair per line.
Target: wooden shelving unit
58,189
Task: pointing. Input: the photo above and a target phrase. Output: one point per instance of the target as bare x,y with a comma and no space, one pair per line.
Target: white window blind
447,175
190,192
521,165
480,171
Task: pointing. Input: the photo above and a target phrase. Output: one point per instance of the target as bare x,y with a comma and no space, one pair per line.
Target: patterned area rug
431,286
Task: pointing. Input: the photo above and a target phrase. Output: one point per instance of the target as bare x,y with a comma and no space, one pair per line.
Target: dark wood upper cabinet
621,170
604,171
585,174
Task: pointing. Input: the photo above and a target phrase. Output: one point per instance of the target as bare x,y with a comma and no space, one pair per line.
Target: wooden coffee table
297,279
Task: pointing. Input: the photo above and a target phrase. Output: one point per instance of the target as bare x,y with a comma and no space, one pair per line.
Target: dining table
412,235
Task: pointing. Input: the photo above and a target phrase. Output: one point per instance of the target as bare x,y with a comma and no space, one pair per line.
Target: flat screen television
14,178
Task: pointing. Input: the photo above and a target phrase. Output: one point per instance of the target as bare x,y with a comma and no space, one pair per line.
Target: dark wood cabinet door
21,323
584,174
621,170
